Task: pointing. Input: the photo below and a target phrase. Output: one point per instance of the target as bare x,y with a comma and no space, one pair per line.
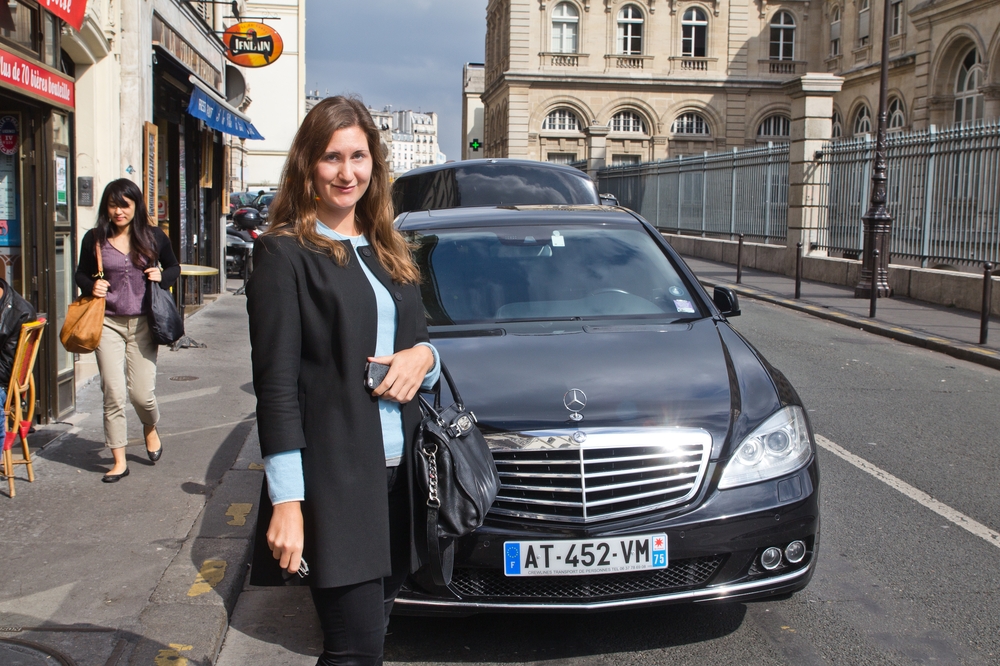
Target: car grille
491,583
611,474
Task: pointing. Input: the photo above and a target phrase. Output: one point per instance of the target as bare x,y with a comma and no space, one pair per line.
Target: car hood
516,377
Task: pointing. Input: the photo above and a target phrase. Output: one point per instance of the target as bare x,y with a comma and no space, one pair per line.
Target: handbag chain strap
430,452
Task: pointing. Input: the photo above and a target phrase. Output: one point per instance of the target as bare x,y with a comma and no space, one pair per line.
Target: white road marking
919,496
197,393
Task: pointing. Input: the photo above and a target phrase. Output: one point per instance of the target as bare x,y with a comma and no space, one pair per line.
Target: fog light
795,551
771,558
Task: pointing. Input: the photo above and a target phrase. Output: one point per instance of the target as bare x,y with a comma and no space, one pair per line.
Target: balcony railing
782,67
692,64
564,61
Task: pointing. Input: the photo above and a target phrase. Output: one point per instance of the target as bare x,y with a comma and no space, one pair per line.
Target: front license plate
585,556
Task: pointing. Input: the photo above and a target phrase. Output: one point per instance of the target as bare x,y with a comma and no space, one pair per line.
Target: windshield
264,200
548,272
492,185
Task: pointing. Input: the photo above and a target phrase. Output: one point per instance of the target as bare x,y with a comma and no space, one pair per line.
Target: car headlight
777,447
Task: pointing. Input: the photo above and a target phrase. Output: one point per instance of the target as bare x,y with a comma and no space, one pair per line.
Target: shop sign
251,44
40,83
71,11
9,135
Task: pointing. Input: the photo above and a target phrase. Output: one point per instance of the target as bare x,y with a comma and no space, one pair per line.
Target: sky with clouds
404,53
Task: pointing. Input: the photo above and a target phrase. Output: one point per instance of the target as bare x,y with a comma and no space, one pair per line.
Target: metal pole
877,221
798,271
739,261
984,323
873,289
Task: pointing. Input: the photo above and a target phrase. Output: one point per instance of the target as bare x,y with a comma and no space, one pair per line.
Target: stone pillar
811,126
991,109
597,148
136,95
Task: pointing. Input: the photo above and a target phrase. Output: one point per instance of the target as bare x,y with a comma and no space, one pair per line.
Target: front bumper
713,555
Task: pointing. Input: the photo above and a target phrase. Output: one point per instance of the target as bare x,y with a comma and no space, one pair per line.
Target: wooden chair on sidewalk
20,408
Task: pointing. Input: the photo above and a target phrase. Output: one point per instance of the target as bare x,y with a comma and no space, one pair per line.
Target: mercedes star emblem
575,400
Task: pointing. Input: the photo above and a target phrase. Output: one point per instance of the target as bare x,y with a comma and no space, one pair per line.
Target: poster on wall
61,176
10,204
150,165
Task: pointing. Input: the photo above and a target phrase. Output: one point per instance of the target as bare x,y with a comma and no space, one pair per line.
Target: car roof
488,162
515,216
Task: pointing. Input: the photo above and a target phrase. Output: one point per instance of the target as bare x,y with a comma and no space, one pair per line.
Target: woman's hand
101,288
407,369
153,274
285,535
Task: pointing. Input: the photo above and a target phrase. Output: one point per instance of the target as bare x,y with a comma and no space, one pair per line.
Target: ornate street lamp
877,221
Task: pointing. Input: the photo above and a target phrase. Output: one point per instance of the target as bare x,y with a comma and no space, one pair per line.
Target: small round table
190,270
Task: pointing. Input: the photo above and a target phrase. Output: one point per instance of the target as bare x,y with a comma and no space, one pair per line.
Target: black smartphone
297,577
374,374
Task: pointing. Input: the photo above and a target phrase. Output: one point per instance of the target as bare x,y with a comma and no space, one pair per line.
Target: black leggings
354,617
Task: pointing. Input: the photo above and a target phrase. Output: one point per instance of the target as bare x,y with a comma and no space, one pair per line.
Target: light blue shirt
285,480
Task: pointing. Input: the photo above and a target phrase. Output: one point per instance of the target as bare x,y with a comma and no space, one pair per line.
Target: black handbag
165,324
456,478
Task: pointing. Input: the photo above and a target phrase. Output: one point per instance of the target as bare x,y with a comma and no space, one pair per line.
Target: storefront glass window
64,291
50,47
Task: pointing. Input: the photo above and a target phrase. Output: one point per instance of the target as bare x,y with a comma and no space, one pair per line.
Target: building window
862,121
864,21
896,20
562,158
968,100
837,130
897,119
630,31
782,37
24,19
835,32
565,24
628,121
694,30
561,120
774,127
690,123
624,160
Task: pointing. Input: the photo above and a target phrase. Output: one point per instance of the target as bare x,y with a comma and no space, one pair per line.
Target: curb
197,592
961,350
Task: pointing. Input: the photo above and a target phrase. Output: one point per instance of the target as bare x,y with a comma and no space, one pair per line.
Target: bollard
739,261
798,271
984,323
874,286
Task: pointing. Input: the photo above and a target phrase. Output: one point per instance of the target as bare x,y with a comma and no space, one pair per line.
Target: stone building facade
623,81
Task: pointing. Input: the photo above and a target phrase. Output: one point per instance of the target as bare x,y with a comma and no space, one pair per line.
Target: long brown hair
293,212
144,252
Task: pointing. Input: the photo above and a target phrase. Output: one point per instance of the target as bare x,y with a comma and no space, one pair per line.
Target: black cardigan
313,326
86,268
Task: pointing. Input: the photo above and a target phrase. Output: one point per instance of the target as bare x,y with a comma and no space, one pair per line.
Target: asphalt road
897,582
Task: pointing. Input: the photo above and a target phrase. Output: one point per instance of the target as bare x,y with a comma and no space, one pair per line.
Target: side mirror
725,299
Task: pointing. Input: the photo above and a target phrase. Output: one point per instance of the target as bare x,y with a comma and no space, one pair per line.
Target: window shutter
835,30
863,21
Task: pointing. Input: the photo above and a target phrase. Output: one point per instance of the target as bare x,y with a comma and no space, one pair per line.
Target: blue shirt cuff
285,480
432,376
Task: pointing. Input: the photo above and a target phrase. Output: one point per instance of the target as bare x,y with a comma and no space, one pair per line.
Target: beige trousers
126,359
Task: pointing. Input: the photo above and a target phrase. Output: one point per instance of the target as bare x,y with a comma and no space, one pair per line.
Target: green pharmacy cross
475,145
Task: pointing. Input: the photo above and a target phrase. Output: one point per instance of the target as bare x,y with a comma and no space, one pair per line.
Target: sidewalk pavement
146,570
947,330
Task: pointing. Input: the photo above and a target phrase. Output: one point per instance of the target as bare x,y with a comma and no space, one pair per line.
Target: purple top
128,283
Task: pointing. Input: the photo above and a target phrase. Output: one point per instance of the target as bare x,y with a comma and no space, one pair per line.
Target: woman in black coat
135,256
333,288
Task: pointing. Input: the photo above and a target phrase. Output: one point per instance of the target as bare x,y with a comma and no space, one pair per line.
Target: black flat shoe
113,478
155,455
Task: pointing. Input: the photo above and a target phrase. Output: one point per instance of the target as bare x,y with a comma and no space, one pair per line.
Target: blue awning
218,117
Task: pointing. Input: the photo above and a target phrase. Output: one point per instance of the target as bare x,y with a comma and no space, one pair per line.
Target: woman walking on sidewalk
333,288
133,252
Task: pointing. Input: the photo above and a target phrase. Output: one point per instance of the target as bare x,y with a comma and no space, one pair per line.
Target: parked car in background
491,182
263,202
648,454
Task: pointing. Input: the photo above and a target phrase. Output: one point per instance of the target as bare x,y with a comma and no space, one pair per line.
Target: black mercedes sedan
648,454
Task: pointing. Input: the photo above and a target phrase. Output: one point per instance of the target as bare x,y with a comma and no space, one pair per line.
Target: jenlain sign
251,44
